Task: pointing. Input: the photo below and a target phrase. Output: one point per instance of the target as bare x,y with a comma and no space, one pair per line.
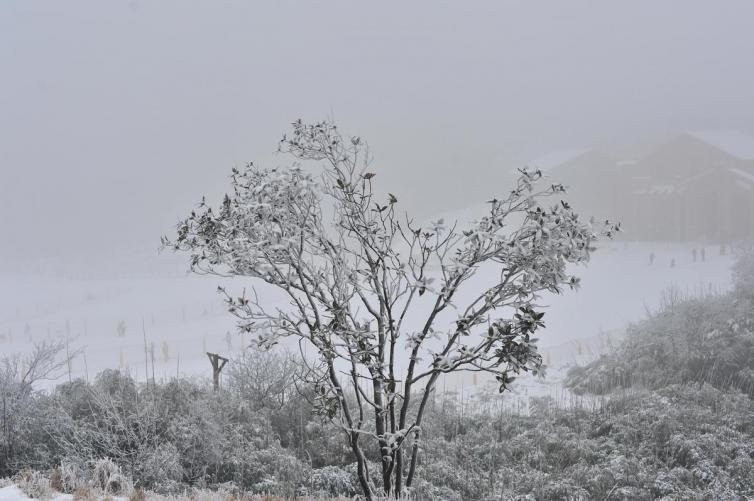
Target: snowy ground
13,493
181,316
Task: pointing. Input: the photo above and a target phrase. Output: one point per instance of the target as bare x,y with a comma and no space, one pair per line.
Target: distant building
695,186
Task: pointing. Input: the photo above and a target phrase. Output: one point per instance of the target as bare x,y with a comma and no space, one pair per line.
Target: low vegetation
703,340
674,420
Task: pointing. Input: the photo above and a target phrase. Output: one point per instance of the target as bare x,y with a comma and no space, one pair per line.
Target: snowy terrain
13,493
181,316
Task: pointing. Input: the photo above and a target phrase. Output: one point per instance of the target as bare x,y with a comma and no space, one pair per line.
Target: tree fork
218,363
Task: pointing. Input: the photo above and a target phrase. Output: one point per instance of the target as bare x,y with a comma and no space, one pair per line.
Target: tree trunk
379,423
398,472
417,433
361,467
218,363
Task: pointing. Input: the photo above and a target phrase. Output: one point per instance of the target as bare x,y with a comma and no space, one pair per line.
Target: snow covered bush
678,441
275,467
108,478
684,430
73,475
707,339
161,469
22,441
427,490
332,481
34,484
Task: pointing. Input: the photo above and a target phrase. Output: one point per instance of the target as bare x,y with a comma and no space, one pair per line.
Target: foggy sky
115,117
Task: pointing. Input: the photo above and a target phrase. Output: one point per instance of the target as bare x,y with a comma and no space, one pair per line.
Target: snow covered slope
181,316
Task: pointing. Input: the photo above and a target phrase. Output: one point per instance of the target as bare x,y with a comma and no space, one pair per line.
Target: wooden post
218,363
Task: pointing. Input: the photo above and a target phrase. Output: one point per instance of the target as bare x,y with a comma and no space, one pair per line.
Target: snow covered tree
367,286
19,374
263,379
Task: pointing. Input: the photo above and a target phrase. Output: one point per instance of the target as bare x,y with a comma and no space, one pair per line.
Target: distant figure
722,249
672,263
704,254
651,258
693,254
165,351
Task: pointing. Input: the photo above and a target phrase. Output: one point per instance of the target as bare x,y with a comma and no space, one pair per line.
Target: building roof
749,176
744,178
734,143
556,158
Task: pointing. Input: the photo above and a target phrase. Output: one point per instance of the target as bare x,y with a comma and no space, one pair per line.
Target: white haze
117,116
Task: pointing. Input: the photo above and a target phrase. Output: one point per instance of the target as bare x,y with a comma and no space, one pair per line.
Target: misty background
118,116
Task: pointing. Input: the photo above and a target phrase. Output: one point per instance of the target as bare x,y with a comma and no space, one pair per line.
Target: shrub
73,475
161,468
332,480
138,495
108,478
34,484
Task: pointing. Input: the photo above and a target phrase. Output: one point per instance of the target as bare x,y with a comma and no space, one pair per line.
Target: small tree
358,275
19,374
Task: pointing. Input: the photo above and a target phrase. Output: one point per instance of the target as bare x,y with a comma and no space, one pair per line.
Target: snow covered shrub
138,495
272,471
56,482
120,423
593,477
268,485
114,383
102,471
332,481
108,478
671,482
616,452
161,468
425,490
561,490
118,484
199,439
326,447
701,340
73,474
34,484
467,481
742,465
23,410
